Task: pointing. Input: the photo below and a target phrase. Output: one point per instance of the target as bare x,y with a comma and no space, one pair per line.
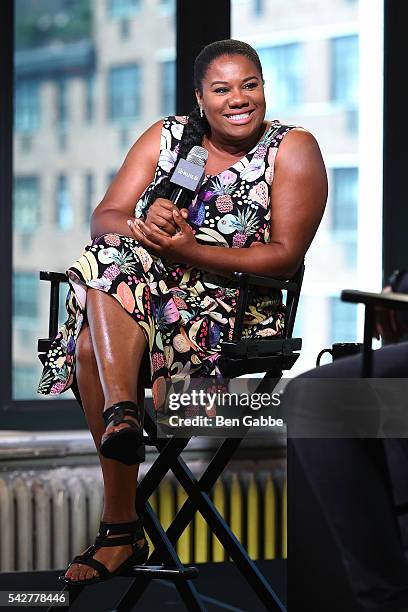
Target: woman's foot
123,436
111,557
111,428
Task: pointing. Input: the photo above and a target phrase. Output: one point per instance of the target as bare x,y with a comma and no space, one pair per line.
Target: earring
201,112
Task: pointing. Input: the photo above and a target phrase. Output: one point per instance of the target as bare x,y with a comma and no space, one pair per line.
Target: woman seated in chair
169,272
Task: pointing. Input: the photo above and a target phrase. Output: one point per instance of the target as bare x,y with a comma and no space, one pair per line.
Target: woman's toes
90,574
82,573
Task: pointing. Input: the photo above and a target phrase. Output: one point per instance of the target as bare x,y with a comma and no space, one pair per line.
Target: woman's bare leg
119,480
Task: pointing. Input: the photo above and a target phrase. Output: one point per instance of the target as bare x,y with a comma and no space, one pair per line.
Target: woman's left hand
177,248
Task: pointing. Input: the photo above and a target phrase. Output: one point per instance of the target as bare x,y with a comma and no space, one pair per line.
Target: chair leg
200,500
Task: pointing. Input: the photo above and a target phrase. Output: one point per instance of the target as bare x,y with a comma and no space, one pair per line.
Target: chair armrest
55,278
397,301
244,278
59,277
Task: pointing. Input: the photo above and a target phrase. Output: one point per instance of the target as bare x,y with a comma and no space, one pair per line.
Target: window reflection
314,78
87,84
283,71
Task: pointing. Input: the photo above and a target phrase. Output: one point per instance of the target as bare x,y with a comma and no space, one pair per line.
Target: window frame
59,414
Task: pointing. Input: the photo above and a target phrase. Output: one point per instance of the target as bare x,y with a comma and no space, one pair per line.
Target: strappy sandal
125,445
130,534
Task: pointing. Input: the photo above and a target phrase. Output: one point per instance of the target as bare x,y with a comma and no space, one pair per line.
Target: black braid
193,133
197,126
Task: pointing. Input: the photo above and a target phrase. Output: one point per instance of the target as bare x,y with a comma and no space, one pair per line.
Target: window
90,97
123,8
27,110
89,197
62,103
168,93
258,7
64,213
344,70
25,294
345,199
283,73
343,321
124,93
345,210
63,47
26,204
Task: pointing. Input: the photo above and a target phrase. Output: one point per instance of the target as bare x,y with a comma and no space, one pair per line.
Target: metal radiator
47,517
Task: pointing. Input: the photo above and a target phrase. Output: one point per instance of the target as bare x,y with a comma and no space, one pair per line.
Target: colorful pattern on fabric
185,313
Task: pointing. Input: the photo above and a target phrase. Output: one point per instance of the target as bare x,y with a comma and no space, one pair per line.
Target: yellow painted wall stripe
166,504
269,518
236,509
201,531
183,543
252,517
220,502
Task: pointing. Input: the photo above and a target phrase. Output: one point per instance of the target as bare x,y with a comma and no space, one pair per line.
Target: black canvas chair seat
239,357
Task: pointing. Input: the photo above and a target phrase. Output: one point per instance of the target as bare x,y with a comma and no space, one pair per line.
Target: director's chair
238,357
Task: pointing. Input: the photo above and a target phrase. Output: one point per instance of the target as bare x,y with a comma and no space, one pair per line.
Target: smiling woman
159,279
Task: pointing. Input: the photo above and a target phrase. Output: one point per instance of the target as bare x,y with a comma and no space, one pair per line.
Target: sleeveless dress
185,313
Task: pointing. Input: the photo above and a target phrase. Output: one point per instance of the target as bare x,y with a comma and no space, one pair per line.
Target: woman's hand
179,247
160,217
386,325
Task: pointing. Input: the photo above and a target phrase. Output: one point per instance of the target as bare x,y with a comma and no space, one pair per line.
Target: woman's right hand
160,216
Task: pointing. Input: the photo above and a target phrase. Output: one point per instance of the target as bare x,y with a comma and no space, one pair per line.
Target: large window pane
322,65
89,80
124,93
26,204
27,110
283,70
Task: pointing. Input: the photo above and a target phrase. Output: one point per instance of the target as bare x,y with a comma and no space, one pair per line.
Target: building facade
91,77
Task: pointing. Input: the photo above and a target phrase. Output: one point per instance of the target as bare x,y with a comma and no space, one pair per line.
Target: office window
344,70
90,98
344,212
283,74
89,197
258,7
26,203
25,294
64,212
123,8
62,102
343,321
168,88
27,108
169,6
345,199
124,93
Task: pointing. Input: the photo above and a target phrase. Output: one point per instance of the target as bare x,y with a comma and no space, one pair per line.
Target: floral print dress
185,313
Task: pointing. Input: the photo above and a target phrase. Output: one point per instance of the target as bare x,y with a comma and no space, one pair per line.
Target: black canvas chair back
240,356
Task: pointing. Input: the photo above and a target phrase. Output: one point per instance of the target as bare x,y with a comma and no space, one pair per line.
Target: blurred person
169,272
346,488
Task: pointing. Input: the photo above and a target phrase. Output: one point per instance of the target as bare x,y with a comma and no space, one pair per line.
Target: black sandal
125,445
131,533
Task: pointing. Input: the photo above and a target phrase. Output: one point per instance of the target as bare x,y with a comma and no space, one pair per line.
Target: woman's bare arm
298,199
135,174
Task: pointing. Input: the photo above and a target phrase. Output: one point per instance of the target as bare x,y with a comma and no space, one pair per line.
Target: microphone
188,176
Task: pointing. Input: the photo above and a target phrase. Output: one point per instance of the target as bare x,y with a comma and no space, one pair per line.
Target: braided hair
197,126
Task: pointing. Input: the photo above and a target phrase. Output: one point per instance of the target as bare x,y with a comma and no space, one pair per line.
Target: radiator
47,517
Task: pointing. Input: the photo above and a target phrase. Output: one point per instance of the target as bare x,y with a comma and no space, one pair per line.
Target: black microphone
188,176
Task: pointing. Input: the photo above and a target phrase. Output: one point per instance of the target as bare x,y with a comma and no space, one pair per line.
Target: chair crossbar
199,499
